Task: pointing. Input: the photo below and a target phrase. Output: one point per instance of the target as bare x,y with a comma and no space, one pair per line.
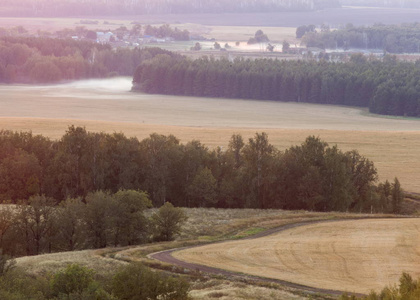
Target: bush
77,283
136,282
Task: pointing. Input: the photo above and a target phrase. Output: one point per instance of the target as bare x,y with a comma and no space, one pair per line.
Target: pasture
354,256
107,105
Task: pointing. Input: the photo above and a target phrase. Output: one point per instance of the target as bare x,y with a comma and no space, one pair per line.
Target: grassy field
355,256
108,106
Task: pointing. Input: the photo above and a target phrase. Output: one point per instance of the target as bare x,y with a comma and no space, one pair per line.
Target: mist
113,85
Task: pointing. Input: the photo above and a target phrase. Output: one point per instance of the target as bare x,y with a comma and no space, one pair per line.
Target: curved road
166,256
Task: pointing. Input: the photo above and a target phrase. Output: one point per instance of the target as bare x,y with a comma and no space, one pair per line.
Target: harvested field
356,256
106,105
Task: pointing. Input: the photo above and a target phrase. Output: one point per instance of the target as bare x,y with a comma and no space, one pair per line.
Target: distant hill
383,3
56,8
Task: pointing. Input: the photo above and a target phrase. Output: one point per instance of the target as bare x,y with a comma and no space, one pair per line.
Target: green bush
77,283
136,282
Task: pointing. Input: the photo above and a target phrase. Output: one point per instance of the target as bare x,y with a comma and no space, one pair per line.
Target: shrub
136,282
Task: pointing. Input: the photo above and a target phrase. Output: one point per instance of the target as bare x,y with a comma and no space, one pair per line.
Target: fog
116,84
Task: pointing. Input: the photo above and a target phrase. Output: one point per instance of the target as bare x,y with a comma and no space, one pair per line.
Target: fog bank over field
111,100
118,84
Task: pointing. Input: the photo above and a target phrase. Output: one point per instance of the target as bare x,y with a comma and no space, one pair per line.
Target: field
355,256
392,144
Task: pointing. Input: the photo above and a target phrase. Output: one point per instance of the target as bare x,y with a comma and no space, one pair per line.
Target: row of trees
102,219
387,87
404,38
255,174
46,60
166,31
37,8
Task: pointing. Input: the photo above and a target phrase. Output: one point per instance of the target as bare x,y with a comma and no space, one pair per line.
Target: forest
312,176
60,8
48,60
404,38
387,86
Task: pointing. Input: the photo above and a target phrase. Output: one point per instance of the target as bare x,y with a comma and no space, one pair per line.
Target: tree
202,189
128,223
397,195
258,159
217,46
167,222
71,228
196,47
286,46
97,218
259,37
270,47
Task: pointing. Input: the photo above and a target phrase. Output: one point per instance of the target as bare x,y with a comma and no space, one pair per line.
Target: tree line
38,225
312,176
47,60
47,8
166,31
404,38
387,87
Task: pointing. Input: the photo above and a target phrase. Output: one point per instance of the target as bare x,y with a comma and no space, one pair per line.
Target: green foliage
136,282
202,189
167,222
73,279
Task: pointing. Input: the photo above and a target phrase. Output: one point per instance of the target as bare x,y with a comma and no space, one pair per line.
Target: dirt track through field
354,256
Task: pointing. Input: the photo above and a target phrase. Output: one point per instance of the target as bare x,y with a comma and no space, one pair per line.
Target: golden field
354,256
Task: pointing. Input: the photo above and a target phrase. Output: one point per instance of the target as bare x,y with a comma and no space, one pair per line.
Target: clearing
355,256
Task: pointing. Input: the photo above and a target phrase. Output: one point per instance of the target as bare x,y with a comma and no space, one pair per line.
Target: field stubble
355,256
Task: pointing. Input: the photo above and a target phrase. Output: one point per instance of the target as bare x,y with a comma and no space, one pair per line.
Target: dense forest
403,38
387,87
47,60
312,176
56,8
